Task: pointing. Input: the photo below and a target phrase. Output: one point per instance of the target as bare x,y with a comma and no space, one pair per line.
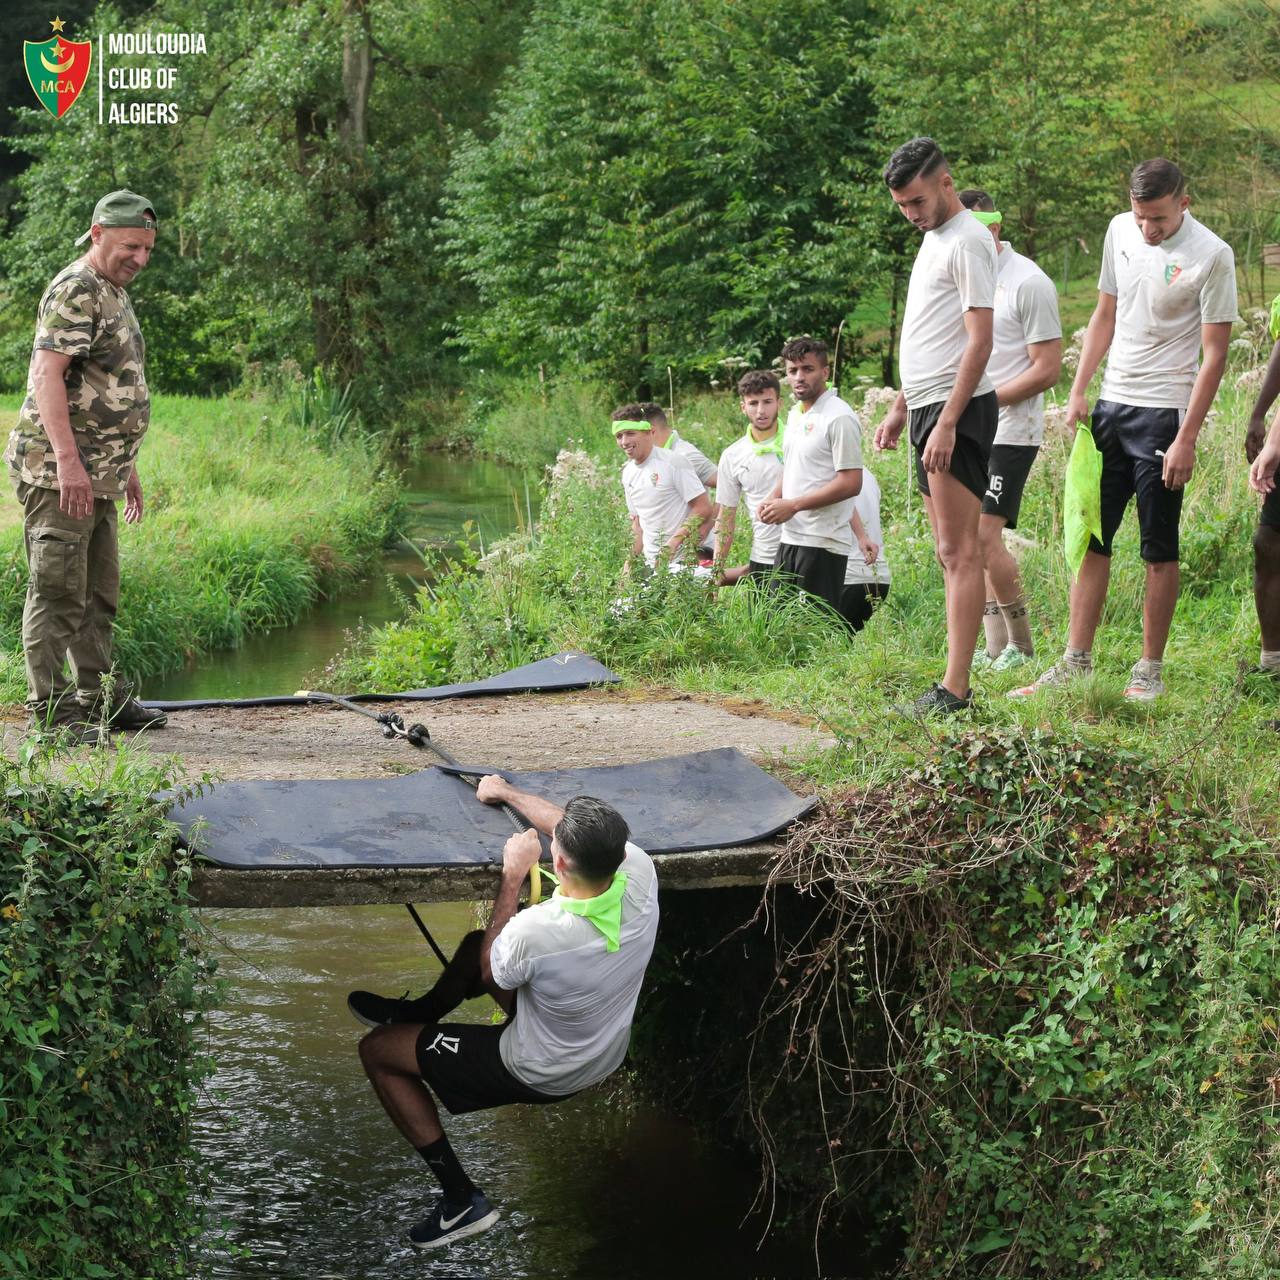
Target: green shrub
103,991
1036,1018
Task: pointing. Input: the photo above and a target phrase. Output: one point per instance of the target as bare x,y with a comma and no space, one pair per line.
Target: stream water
309,1179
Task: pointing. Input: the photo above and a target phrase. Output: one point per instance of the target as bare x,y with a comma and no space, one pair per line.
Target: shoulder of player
1206,243
732,454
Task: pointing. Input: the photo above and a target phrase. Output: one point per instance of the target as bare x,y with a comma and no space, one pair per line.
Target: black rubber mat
708,800
564,671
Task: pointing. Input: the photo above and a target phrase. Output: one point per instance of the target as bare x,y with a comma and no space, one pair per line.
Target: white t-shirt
1164,293
703,467
954,272
1026,312
867,505
659,492
815,445
577,1000
748,471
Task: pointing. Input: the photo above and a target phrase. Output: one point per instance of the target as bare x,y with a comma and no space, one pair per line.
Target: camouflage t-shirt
86,317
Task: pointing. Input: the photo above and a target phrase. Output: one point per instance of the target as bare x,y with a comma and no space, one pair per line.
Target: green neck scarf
604,910
987,219
772,445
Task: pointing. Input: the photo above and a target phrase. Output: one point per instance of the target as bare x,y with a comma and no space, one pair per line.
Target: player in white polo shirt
665,436
663,493
821,475
750,468
1167,289
1026,359
947,400
867,576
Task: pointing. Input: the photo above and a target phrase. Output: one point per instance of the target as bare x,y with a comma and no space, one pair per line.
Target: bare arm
1180,459
699,509
495,789
891,424
870,551
1046,368
1267,393
637,536
518,856
726,522
845,484
936,455
49,385
1097,342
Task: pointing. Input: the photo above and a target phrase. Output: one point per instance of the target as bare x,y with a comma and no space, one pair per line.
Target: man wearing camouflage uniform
72,457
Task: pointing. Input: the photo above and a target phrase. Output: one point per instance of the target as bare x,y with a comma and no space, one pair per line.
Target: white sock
1270,660
993,624
1078,658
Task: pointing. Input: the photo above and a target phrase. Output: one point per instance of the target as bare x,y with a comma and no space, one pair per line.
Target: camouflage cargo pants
72,593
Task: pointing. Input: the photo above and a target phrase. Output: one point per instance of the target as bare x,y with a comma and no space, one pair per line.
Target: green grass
252,514
558,587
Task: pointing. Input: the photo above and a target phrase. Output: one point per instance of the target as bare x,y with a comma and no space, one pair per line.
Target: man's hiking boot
66,720
447,1224
131,714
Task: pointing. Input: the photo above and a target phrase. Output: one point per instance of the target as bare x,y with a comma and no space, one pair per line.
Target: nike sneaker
449,1223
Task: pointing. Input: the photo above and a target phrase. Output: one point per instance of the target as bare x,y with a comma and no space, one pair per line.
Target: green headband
987,219
624,425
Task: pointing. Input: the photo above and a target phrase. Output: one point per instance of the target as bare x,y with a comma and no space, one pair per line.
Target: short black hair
629,413
758,381
915,159
594,837
798,348
652,412
1155,179
974,198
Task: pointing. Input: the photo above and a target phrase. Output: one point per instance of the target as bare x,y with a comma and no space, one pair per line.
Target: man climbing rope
567,972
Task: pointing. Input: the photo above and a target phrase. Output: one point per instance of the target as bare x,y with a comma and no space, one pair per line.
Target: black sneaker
380,1011
938,701
446,1225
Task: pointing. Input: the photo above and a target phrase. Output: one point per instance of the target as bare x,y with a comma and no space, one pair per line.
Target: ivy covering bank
102,990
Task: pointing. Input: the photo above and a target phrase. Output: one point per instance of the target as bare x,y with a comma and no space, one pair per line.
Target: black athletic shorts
975,432
463,1065
1007,472
858,602
1129,437
1270,513
814,569
756,569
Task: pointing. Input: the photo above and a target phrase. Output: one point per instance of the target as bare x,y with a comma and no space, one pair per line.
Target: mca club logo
1171,273
654,478
57,68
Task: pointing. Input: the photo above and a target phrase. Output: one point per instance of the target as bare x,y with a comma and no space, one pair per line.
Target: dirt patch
523,731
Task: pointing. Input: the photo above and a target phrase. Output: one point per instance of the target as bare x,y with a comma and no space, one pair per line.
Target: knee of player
990,538
369,1045
958,553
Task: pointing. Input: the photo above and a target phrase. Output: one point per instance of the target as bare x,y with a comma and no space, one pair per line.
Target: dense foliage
104,987
641,190
1072,967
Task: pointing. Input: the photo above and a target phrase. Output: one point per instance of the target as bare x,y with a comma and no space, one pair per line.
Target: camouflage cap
122,209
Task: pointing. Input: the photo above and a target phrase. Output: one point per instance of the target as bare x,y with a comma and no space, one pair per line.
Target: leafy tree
659,186
1045,105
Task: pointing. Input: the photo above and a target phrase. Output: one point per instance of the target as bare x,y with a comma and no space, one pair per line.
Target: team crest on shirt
654,478
809,425
1171,272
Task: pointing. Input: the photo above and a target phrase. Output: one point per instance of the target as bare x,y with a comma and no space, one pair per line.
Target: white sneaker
1059,674
1144,684
1011,656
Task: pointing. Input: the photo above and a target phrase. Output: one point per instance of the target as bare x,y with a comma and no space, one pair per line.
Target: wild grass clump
104,990
1032,1019
253,512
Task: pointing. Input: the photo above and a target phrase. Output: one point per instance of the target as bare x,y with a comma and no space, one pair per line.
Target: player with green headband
566,971
662,489
1026,359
